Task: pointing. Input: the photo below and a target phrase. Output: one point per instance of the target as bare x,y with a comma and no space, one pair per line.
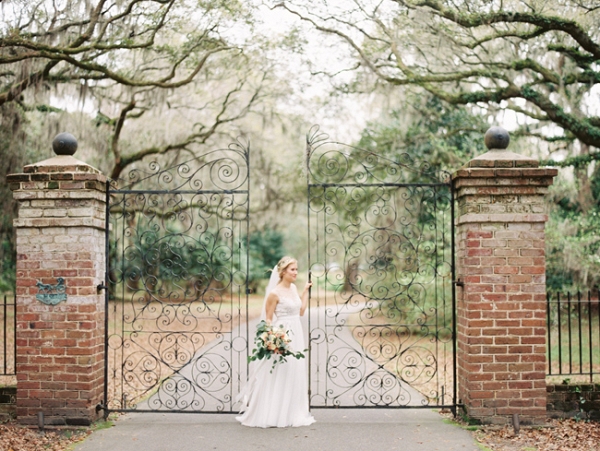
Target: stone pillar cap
60,163
497,140
64,146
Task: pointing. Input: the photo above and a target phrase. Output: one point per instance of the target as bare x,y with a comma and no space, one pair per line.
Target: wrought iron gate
177,259
381,244
381,315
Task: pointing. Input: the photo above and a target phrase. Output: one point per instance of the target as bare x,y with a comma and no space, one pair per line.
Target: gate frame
315,139
242,150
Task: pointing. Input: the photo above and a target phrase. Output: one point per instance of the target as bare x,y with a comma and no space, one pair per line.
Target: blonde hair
283,264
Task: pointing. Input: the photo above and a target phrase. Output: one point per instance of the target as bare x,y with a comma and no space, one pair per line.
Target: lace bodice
289,301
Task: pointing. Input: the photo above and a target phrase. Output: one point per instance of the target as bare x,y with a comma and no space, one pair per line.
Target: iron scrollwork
380,239
177,284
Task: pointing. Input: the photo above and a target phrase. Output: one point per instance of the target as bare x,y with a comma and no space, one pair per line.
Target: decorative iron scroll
220,170
334,162
177,273
381,308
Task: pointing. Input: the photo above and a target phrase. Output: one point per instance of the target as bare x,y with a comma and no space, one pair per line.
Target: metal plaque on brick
51,294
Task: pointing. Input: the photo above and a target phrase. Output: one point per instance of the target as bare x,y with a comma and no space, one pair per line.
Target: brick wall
60,234
501,311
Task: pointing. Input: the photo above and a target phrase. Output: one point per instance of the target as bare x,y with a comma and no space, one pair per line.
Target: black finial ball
496,138
64,144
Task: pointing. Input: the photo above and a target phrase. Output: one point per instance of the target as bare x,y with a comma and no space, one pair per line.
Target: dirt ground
557,435
18,438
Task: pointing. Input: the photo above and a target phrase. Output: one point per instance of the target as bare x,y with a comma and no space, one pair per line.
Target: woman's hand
307,287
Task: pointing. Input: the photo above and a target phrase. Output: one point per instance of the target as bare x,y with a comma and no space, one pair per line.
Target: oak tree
540,59
175,63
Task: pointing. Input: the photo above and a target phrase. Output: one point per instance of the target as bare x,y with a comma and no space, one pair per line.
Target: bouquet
272,342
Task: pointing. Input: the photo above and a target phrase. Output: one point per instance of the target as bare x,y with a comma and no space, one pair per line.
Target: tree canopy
130,61
539,59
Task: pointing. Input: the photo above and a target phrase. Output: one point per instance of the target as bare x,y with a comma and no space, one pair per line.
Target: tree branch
543,22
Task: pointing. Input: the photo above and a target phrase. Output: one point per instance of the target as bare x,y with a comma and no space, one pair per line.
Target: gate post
501,302
60,311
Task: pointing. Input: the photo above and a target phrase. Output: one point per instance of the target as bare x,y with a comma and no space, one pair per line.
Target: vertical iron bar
120,327
435,288
5,324
106,293
549,332
579,295
590,347
558,304
453,271
598,302
247,262
232,307
570,332
247,289
309,267
14,308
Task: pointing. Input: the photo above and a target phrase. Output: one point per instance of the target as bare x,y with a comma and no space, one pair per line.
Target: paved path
335,430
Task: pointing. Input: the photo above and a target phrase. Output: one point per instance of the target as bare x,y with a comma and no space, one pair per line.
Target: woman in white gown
278,397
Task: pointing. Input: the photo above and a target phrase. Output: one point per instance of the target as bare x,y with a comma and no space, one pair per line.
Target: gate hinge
101,287
458,283
100,407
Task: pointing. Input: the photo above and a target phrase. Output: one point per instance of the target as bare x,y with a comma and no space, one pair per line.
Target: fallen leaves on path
559,435
19,438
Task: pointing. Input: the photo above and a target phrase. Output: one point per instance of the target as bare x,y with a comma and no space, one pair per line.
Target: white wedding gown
279,398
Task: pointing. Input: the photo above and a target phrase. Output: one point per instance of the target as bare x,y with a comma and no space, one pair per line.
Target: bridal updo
283,264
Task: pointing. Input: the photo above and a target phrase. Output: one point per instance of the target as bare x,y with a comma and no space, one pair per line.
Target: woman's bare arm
272,301
304,298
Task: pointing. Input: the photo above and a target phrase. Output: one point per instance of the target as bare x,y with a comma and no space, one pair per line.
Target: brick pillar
501,309
60,234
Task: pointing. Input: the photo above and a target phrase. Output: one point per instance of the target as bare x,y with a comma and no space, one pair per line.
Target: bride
278,397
